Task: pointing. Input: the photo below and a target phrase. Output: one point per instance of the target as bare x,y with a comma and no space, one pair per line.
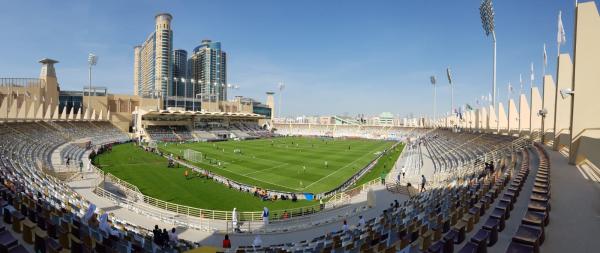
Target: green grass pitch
293,164
270,163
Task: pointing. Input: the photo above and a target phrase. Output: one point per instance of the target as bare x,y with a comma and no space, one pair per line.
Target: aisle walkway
575,217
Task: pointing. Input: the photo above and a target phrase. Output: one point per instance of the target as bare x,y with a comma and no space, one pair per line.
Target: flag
521,81
532,75
468,107
510,88
561,37
545,56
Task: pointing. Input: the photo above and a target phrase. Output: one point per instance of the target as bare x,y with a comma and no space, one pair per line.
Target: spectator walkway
575,220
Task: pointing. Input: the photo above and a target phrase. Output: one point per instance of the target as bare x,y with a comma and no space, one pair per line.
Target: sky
335,57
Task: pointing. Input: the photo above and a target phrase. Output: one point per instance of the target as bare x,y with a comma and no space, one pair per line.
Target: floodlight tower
451,90
281,86
92,61
486,10
433,81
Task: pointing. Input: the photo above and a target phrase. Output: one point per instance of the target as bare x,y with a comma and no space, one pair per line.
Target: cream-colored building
152,72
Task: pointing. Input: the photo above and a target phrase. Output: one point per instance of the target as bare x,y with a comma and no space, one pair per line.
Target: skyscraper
180,71
153,60
209,69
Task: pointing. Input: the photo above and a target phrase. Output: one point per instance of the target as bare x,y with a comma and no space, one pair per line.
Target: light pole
176,88
281,86
184,93
92,61
486,10
166,79
193,93
433,81
451,91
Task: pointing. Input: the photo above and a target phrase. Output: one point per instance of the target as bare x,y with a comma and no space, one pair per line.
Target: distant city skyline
339,58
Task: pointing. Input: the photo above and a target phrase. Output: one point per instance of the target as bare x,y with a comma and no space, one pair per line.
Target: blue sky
335,57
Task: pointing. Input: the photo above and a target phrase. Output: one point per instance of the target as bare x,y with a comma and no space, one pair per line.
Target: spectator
345,227
423,182
234,220
164,237
156,235
265,215
226,242
403,172
361,221
173,238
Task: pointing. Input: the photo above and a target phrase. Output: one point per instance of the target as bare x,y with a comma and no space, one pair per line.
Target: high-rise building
153,60
180,71
209,69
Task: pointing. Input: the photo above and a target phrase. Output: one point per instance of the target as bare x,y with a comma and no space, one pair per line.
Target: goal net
192,155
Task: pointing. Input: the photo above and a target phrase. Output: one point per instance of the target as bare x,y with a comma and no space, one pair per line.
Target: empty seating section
449,151
44,211
359,131
207,132
161,133
530,234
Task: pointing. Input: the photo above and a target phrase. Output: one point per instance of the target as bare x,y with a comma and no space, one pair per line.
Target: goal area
192,155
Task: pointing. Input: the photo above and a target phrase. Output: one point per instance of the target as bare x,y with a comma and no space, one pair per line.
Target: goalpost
192,155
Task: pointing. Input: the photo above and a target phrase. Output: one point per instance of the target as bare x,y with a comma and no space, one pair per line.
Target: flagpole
544,63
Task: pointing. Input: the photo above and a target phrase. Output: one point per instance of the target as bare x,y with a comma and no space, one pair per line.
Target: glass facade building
179,72
73,100
208,66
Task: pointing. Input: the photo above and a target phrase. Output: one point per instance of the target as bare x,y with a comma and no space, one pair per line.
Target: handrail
214,214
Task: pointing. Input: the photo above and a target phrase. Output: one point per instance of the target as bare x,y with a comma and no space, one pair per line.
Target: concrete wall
562,107
585,111
548,104
502,118
536,105
524,112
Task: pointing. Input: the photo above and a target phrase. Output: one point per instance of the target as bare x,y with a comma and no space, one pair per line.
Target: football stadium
178,165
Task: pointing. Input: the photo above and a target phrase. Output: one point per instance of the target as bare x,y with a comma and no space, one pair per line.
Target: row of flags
561,39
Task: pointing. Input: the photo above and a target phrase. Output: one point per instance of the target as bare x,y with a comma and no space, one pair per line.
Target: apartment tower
153,61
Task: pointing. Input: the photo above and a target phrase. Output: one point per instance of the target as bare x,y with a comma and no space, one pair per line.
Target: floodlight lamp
92,59
486,11
564,93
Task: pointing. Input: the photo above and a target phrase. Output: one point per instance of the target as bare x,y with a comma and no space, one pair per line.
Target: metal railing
203,218
443,178
21,82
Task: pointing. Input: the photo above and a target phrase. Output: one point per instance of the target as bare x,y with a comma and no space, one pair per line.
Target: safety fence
130,194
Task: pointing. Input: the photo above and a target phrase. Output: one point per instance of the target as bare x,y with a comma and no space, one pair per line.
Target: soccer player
326,164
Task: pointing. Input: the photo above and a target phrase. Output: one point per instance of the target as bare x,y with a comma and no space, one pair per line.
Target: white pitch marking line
336,171
273,167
